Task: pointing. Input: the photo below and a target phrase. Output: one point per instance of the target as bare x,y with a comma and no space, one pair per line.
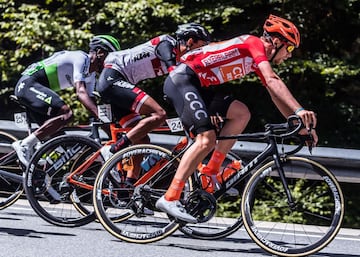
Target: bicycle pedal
64,187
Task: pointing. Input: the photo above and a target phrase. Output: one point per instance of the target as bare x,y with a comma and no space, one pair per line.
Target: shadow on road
30,233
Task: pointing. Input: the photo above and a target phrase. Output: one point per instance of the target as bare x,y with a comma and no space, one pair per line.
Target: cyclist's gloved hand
217,121
308,118
313,137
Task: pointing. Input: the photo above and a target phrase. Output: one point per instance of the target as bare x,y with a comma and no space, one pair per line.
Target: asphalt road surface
24,234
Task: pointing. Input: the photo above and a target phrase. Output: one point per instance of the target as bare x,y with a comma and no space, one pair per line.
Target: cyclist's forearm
88,103
85,99
282,98
279,92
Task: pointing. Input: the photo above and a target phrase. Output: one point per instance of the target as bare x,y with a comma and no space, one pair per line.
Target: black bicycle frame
271,150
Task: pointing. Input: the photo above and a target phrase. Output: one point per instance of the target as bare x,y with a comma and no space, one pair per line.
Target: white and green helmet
105,42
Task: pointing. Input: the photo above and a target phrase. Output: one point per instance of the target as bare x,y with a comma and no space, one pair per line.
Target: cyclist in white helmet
38,86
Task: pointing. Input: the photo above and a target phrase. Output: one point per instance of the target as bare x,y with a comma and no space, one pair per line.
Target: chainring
201,205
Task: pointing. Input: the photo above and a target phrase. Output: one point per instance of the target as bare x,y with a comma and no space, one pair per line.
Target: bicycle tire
81,197
46,186
10,190
119,207
268,217
226,221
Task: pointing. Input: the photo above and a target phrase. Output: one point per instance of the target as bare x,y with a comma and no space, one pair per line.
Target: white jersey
64,68
140,62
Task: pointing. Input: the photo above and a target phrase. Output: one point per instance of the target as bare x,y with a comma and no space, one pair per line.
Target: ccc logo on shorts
196,105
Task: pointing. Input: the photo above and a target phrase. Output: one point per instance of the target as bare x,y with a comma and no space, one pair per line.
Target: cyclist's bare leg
238,116
53,125
155,116
49,127
24,148
204,143
169,203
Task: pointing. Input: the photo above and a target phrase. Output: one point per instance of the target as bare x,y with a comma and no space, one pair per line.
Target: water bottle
149,161
230,169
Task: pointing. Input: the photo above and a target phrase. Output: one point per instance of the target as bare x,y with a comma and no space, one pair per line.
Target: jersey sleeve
256,49
81,66
166,51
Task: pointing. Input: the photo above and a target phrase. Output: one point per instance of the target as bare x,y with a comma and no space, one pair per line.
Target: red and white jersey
221,62
140,62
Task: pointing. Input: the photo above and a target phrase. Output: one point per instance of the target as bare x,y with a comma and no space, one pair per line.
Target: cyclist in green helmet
38,86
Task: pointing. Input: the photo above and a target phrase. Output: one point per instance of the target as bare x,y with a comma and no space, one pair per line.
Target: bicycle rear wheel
227,218
309,224
46,186
128,212
10,189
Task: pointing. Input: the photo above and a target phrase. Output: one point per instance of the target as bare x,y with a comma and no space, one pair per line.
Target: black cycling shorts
124,97
42,102
194,104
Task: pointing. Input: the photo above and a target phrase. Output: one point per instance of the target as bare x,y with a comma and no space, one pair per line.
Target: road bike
60,176
11,170
290,205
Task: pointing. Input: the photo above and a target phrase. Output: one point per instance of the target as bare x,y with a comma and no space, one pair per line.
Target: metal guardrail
344,163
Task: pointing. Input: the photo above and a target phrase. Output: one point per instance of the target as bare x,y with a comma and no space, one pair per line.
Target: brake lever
218,121
310,146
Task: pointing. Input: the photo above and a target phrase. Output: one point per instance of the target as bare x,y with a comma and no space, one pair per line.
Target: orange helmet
278,26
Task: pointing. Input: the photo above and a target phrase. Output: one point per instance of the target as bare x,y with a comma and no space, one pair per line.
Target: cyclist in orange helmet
210,66
284,30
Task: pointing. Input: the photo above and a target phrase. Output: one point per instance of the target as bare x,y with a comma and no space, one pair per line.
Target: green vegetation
323,74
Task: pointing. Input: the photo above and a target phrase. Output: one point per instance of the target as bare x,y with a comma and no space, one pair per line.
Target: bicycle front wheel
302,227
10,189
127,211
46,184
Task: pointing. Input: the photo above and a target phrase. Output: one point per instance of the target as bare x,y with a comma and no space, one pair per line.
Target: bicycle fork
280,170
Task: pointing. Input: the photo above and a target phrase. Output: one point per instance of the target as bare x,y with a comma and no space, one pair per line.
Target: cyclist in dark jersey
38,86
124,69
213,65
